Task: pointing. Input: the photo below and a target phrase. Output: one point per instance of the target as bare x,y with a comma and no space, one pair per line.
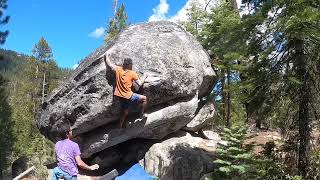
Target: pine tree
116,24
234,159
3,20
220,36
43,52
196,18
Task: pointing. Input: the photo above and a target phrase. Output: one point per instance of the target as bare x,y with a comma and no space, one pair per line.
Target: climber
68,156
124,80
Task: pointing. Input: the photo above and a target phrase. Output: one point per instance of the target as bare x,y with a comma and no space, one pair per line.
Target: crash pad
136,172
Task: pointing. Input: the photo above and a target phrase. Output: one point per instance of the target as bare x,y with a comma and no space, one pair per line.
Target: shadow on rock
120,157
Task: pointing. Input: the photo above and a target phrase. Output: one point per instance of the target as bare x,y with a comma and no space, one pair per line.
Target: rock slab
180,74
183,157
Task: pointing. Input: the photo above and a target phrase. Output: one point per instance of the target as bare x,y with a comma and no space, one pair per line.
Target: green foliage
275,170
196,17
268,62
116,24
218,31
285,55
234,158
271,165
272,54
9,60
6,135
25,84
3,20
25,101
236,161
314,171
42,50
220,36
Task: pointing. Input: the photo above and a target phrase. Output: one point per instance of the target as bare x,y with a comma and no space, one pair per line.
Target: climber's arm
107,61
140,82
83,165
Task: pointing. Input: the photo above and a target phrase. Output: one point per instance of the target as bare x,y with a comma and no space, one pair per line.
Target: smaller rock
204,114
210,135
207,176
180,157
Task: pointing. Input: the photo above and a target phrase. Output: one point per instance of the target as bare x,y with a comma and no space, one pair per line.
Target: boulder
205,113
183,157
158,124
208,134
180,74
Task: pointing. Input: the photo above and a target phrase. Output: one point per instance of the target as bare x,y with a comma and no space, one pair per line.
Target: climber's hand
94,167
145,76
108,54
107,60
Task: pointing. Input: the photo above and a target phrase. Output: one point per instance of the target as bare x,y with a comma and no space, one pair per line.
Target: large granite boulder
182,156
180,75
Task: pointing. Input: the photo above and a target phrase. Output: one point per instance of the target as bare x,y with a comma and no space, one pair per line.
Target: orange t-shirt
124,81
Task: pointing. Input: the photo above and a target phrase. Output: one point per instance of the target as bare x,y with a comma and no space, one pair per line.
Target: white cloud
99,32
182,14
75,66
160,12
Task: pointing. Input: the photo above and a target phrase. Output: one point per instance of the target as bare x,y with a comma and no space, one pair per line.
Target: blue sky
69,25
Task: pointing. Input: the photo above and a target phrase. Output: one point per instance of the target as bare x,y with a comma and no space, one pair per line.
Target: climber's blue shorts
126,103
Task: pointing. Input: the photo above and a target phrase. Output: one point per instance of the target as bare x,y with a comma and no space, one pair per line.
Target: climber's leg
123,117
142,100
125,104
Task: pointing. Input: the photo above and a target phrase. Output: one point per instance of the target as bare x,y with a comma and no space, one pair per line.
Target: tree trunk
233,4
37,71
258,122
43,87
207,5
228,100
246,105
35,93
224,104
1,168
304,120
304,133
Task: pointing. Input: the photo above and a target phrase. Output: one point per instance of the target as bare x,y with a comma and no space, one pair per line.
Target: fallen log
24,173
